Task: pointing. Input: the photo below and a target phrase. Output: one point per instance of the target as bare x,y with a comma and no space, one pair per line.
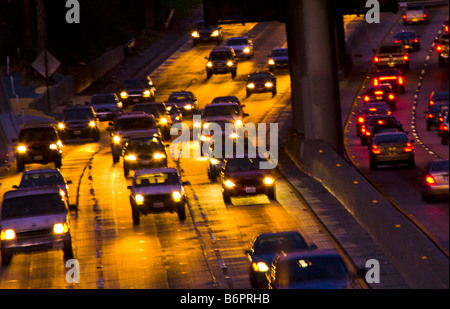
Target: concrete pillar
314,74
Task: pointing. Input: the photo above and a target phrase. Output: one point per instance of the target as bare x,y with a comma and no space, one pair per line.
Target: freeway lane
401,184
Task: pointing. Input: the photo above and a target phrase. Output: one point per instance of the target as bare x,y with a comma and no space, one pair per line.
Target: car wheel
233,74
68,250
373,165
181,211
248,93
428,127
441,61
402,90
271,194
6,256
58,162
116,158
126,170
425,197
274,92
135,214
411,163
444,141
208,74
226,198
363,141
96,136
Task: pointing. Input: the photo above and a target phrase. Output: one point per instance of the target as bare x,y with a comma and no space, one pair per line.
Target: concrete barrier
421,264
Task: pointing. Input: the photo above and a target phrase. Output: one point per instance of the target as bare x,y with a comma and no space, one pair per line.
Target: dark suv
137,89
38,143
221,60
79,122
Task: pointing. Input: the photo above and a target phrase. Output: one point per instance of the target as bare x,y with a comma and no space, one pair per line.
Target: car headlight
238,122
8,234
195,34
146,93
92,124
60,228
230,63
22,149
271,62
159,156
188,107
139,199
177,196
124,95
260,267
53,146
163,120
269,180
229,184
251,85
116,139
268,84
215,33
130,157
119,105
246,50
61,125
209,64
215,161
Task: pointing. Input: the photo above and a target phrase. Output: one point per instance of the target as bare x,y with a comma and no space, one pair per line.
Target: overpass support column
314,74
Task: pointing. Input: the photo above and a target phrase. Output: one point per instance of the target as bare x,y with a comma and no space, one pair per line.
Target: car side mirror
246,115
412,141
129,187
186,183
73,207
15,187
313,247
248,252
69,182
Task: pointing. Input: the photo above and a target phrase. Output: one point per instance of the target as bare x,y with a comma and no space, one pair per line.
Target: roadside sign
46,64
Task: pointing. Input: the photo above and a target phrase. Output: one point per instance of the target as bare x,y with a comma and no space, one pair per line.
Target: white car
242,46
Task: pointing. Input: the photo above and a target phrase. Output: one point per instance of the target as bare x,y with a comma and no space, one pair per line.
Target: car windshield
221,110
390,138
157,110
391,49
144,145
237,41
33,205
157,179
439,106
279,243
382,122
279,53
181,97
135,83
226,99
77,114
309,269
40,179
242,164
260,76
135,123
103,99
40,134
406,35
219,56
438,166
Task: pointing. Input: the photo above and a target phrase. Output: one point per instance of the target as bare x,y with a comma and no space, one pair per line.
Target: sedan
376,123
261,82
278,59
186,101
324,269
436,181
391,148
410,39
264,249
206,33
393,77
380,93
443,130
434,113
367,111
243,46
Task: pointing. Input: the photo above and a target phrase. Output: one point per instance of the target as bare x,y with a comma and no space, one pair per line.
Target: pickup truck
392,56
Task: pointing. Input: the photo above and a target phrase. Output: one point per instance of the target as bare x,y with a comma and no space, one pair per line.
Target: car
278,59
393,77
392,55
244,177
375,124
137,89
206,33
367,111
128,125
106,105
222,113
436,180
242,46
434,113
34,219
45,177
226,99
442,49
38,143
157,190
186,101
259,82
409,38
159,111
79,121
264,249
221,60
380,93
391,148
144,152
174,113
309,269
443,130
438,96
415,13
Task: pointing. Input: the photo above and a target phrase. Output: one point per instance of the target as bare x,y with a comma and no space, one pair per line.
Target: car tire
248,94
68,250
411,163
226,198
363,141
274,93
444,141
181,211
271,194
233,74
402,89
208,74
115,158
373,165
6,257
20,165
126,170
135,214
58,162
96,135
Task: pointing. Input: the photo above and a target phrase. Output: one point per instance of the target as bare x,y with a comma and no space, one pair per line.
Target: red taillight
430,116
430,180
416,40
439,48
408,148
431,102
380,122
425,15
443,127
366,98
391,97
378,92
405,57
397,41
376,59
373,109
446,28
400,80
375,82
404,16
375,149
360,119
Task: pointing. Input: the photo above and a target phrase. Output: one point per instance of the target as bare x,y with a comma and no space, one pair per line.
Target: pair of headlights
209,64
146,94
195,34
23,148
58,228
176,196
267,181
252,85
62,126
157,156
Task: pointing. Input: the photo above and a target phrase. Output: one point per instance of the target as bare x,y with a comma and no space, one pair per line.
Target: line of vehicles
377,126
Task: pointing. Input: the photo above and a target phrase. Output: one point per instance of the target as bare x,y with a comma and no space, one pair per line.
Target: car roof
221,104
307,254
222,49
135,114
38,125
42,170
32,191
283,233
388,72
181,92
155,171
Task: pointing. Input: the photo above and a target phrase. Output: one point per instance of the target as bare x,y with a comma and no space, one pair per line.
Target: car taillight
430,180
378,92
425,15
430,116
366,98
375,82
376,59
416,41
408,148
375,149
443,127
360,119
431,102
397,41
400,80
405,57
404,16
439,48
391,97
